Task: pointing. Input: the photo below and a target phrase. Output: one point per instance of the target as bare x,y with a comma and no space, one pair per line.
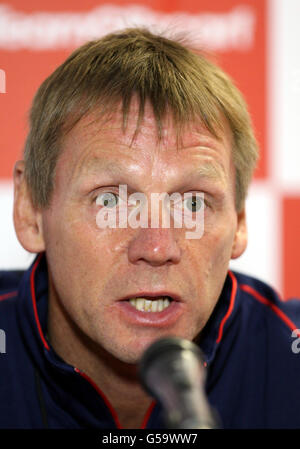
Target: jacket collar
220,320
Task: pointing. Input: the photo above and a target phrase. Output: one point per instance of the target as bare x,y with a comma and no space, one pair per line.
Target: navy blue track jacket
252,361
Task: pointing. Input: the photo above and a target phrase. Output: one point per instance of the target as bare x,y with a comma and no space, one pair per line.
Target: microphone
171,370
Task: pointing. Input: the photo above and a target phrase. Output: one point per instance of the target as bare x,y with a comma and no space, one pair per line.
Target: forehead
98,144
94,130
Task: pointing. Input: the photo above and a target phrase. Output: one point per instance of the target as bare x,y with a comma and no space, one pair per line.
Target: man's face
92,269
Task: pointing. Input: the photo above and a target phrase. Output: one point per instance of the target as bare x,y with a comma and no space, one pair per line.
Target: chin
133,351
133,354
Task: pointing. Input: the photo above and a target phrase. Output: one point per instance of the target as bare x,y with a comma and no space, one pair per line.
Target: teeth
154,306
133,302
148,305
160,305
140,302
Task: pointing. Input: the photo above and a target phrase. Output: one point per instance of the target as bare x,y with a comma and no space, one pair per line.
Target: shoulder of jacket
286,311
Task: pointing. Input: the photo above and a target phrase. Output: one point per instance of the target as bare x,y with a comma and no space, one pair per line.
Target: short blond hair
103,73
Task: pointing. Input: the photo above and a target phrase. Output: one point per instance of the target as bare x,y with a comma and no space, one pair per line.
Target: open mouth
151,304
148,308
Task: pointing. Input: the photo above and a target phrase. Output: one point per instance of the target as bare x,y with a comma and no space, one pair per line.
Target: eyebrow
96,164
209,170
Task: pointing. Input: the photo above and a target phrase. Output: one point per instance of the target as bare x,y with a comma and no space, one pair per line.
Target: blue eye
107,199
194,203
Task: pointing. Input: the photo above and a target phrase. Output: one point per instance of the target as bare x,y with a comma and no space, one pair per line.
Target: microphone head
171,370
163,349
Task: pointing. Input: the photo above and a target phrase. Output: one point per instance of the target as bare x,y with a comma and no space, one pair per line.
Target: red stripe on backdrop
291,246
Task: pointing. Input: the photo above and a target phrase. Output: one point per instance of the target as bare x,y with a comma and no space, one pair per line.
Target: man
144,112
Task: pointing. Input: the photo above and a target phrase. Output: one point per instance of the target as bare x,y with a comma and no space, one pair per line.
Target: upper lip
152,294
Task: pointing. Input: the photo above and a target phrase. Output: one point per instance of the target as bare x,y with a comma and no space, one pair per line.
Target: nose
154,246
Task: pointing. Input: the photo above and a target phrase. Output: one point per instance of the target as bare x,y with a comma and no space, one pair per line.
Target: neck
116,379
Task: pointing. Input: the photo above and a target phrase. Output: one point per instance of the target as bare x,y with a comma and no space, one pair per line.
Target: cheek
85,255
222,242
209,256
71,233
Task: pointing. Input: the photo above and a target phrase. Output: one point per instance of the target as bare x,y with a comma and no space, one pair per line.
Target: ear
241,236
27,218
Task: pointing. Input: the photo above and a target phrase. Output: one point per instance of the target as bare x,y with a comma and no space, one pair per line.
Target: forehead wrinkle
203,170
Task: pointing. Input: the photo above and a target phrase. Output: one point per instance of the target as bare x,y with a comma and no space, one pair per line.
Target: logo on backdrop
223,31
